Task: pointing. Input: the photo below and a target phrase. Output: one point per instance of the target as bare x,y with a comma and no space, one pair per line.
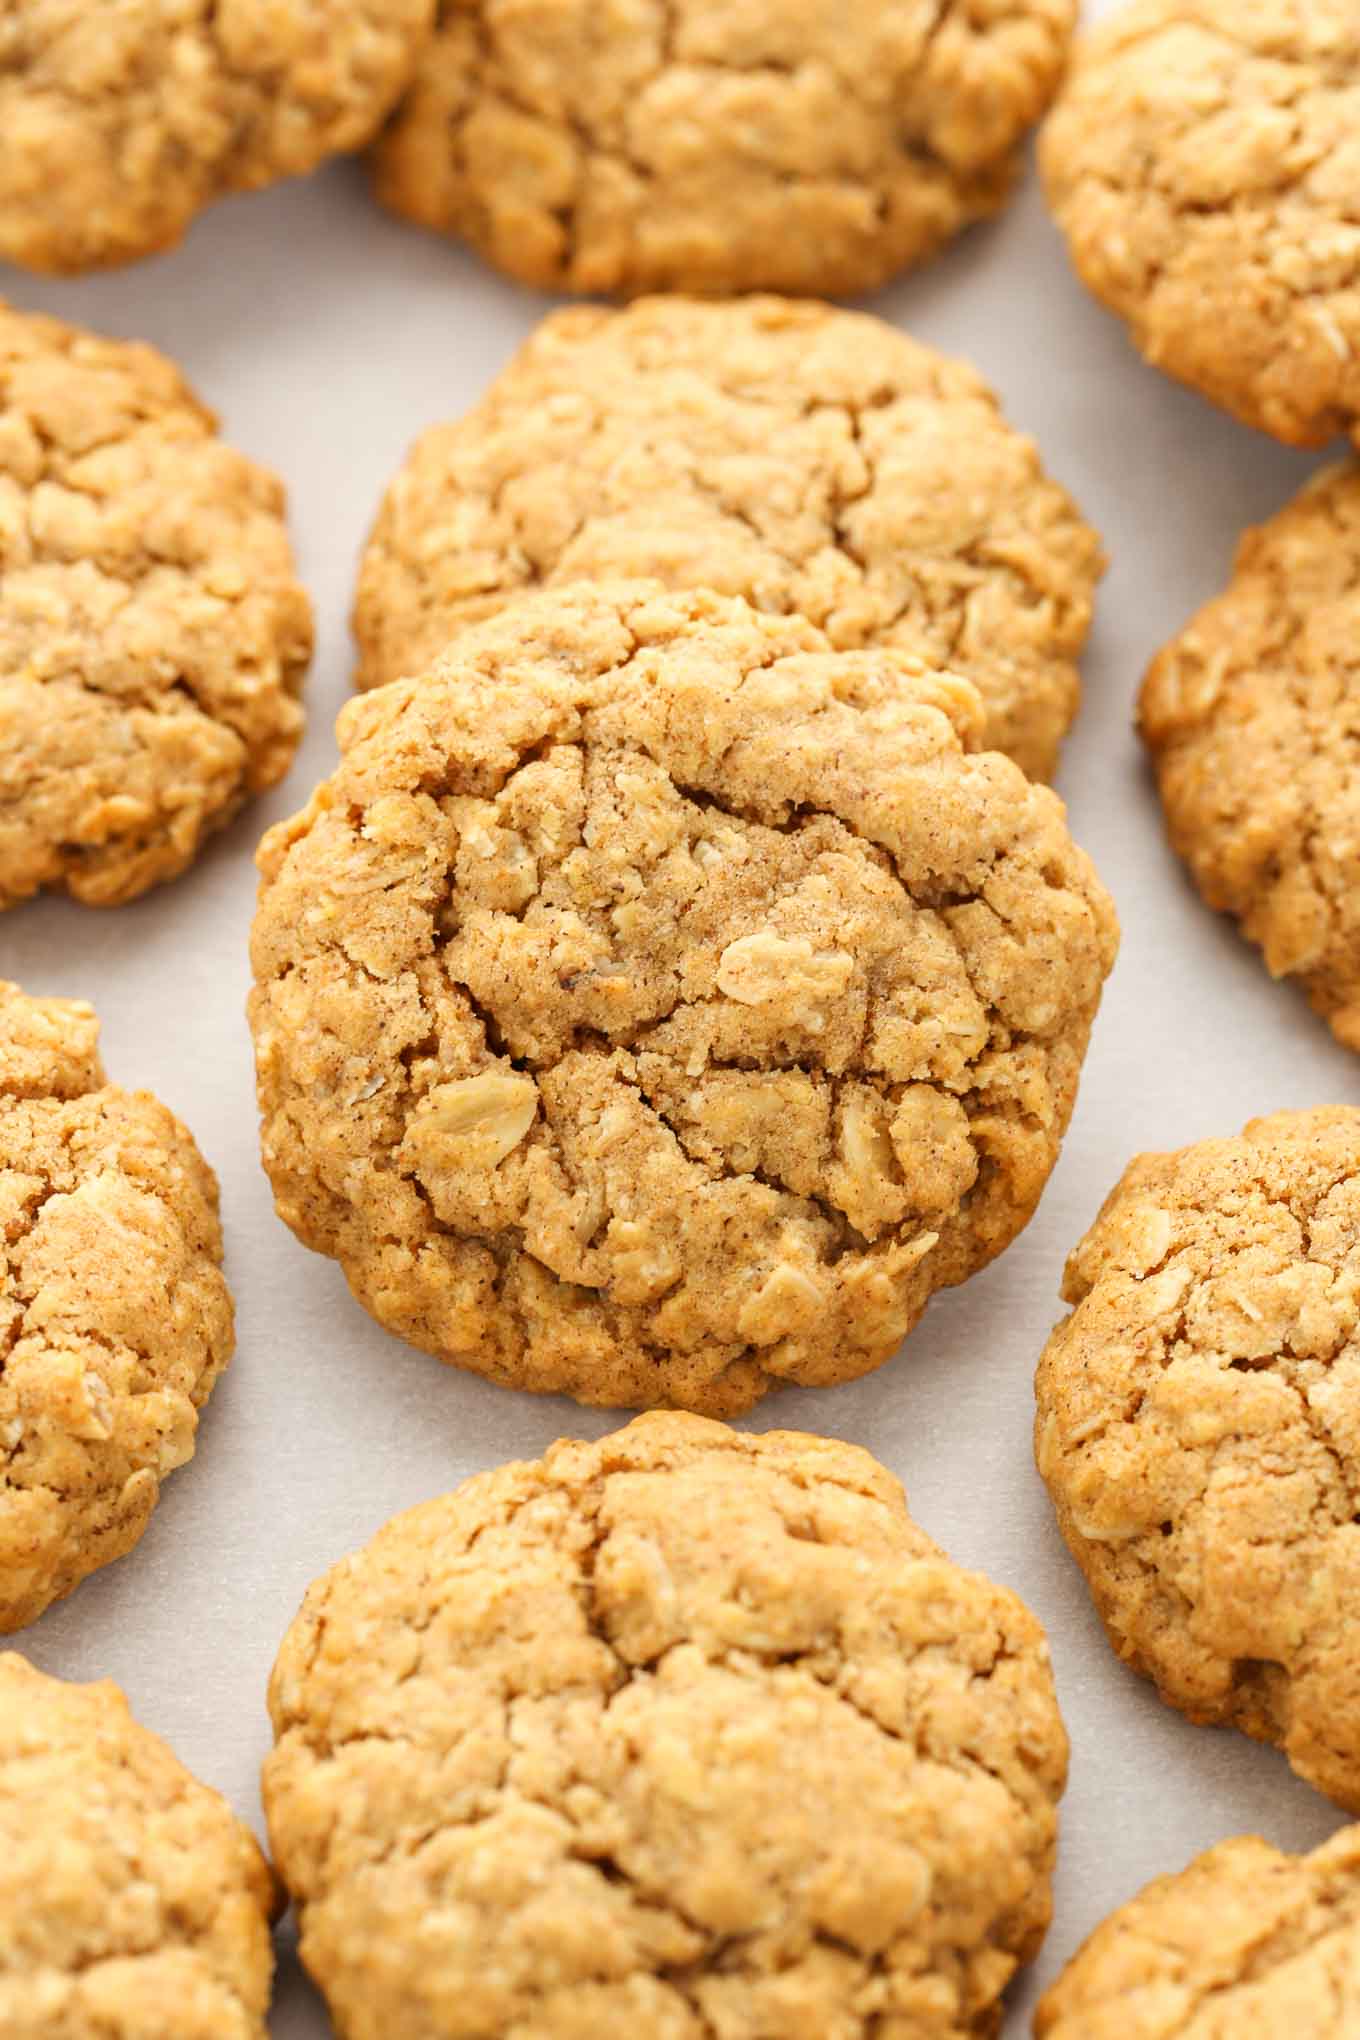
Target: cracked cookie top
132,1902
115,1321
808,459
1247,1943
1251,718
657,1004
153,635
1197,1428
710,146
121,122
680,1733
1202,161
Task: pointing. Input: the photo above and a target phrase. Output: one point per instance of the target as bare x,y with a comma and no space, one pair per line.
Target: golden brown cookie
809,459
153,636
1246,1943
115,1321
747,145
1252,717
133,1905
677,1734
1198,1429
1202,161
122,119
657,1005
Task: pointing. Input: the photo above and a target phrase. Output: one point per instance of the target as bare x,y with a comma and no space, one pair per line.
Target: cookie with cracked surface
123,120
809,459
1202,161
133,1903
153,635
689,145
683,1732
1246,1943
1252,719
657,1005
1197,1430
115,1321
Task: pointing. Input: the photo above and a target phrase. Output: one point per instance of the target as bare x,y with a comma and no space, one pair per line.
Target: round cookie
717,148
657,1005
1202,161
809,459
133,1904
115,1321
680,1733
1247,1943
1250,716
1197,1430
121,122
153,636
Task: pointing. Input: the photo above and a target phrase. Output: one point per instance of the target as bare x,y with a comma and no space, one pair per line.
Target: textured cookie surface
1197,1428
123,119
153,636
114,1318
133,1904
656,1005
811,460
688,145
1252,717
1246,1944
682,1733
1202,161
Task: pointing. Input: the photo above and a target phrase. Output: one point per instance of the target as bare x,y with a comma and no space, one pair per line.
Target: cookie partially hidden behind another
1197,1428
116,1321
657,1005
681,1733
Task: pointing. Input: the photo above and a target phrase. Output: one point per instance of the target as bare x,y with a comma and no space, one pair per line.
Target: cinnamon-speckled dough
133,1905
1199,1430
1252,716
680,1734
809,459
115,1321
657,1005
123,118
617,146
153,636
1246,1943
1203,160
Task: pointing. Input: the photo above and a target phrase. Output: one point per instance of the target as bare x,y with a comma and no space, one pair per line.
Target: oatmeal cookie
115,1321
122,120
1202,161
153,637
809,459
687,145
1247,1943
1252,717
657,1005
681,1733
133,1904
1197,1427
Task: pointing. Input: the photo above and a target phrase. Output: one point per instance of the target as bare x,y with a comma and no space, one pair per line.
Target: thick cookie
1202,161
812,460
657,1005
677,1734
122,121
1250,717
1247,1943
1197,1427
133,1905
693,146
115,1321
153,636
